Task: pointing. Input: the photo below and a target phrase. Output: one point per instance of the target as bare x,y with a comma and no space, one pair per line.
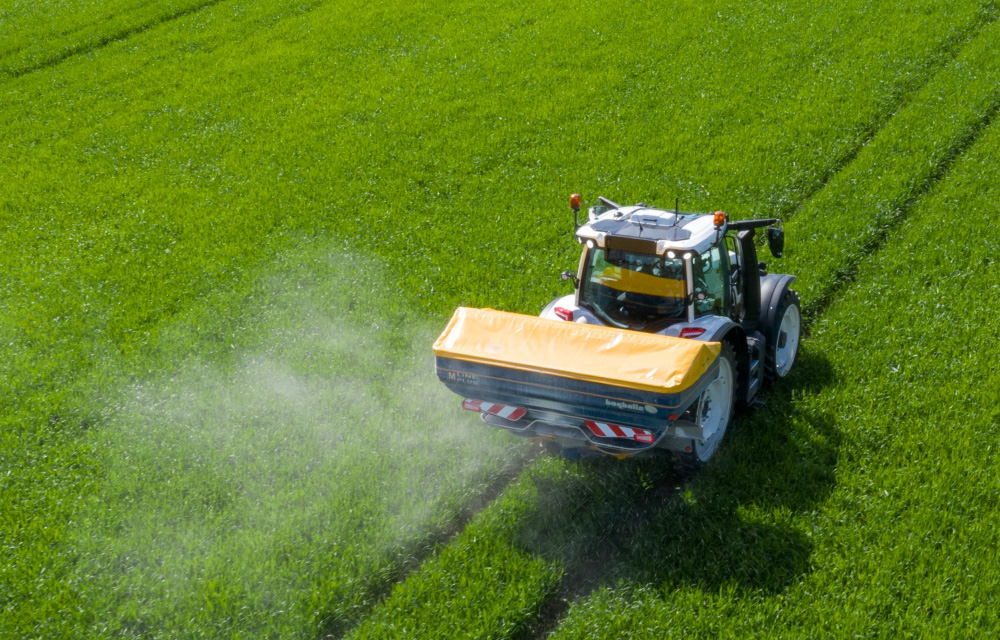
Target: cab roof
669,230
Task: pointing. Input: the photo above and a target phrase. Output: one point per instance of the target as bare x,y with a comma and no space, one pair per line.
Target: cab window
711,281
632,290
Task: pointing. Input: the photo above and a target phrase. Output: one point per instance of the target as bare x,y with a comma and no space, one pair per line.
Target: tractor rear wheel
712,411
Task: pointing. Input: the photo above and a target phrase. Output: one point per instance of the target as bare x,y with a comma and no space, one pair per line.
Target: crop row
902,541
296,154
34,35
750,536
860,206
155,184
280,492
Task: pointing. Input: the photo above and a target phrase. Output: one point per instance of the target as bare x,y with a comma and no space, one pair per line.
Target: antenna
677,206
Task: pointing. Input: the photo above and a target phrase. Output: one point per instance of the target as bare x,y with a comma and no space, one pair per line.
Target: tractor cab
645,269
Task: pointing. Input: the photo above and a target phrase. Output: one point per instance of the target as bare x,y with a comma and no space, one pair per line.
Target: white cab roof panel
671,232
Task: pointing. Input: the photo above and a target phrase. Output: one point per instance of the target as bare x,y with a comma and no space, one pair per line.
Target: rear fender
722,329
772,288
711,324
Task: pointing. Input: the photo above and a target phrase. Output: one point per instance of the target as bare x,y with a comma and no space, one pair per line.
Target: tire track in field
338,628
846,275
125,34
579,581
865,202
948,52
100,43
7,53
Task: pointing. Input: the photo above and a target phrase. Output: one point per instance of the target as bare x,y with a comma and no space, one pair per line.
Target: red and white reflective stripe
500,410
605,430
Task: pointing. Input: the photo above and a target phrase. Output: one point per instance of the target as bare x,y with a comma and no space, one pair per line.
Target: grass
859,208
40,34
493,579
450,593
281,492
901,543
225,233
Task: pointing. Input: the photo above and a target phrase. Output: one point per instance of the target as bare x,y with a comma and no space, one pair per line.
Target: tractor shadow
728,527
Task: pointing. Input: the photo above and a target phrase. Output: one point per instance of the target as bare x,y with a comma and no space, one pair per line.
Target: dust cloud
321,457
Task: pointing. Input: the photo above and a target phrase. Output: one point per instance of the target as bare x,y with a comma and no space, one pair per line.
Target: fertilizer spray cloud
290,482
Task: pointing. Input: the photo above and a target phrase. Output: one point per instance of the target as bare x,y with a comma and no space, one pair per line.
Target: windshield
632,290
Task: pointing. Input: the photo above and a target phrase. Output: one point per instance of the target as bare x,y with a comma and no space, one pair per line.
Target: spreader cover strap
619,357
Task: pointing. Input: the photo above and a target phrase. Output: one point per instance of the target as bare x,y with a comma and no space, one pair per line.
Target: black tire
722,389
783,337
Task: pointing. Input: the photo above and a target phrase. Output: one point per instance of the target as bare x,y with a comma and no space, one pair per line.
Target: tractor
673,324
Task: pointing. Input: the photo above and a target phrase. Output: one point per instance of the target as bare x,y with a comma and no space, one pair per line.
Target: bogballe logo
630,406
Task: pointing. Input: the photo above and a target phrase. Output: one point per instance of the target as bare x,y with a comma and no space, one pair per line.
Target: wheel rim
788,335
713,410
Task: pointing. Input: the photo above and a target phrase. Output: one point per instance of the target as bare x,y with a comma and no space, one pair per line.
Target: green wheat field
230,231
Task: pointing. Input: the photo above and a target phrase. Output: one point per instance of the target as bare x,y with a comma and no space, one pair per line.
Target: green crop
231,230
885,526
862,204
35,35
278,491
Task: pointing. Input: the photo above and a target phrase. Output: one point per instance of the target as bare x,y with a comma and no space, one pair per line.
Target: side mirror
776,240
569,275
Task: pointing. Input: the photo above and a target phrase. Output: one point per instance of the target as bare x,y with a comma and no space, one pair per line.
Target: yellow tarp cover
646,361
